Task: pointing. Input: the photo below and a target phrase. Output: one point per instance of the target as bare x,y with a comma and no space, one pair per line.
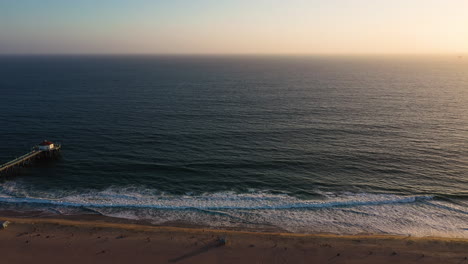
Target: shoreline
33,238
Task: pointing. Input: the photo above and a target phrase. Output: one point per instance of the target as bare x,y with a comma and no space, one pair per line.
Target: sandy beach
45,240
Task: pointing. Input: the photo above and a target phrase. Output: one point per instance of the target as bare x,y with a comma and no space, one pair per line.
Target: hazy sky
229,26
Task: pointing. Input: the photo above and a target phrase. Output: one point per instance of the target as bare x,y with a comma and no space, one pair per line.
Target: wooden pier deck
27,158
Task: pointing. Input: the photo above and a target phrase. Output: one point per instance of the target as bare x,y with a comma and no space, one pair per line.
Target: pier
45,150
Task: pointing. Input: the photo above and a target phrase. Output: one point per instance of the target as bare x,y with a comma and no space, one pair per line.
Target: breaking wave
133,197
339,213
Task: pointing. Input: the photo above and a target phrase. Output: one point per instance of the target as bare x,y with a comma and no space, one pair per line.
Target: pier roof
46,143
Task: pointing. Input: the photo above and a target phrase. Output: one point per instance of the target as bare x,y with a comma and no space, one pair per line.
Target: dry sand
43,240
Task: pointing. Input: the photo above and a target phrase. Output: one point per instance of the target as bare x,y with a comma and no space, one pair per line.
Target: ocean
307,144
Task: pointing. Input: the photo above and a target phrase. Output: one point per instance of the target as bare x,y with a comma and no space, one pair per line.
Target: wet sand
46,240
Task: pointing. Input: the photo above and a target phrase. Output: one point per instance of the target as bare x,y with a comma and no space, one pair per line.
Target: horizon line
241,54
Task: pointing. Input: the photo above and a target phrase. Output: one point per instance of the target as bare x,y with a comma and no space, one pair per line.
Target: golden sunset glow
348,26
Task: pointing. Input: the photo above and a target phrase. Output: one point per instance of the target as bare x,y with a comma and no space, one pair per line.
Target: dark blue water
305,144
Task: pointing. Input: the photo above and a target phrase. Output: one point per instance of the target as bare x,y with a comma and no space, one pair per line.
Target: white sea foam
342,213
130,198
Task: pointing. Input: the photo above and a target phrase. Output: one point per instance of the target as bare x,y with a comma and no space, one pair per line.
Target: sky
233,26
